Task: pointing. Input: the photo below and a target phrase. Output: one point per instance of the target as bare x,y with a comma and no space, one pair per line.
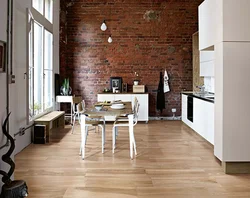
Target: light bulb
110,39
103,26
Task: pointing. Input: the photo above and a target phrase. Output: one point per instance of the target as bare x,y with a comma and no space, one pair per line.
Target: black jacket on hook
160,95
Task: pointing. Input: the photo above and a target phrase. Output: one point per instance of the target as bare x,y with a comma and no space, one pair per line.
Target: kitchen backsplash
209,84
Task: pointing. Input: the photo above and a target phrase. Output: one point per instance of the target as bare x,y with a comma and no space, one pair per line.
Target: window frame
44,9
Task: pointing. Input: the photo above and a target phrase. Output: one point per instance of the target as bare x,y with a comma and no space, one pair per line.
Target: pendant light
103,26
110,39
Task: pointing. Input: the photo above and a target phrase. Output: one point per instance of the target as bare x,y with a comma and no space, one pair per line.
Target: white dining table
108,111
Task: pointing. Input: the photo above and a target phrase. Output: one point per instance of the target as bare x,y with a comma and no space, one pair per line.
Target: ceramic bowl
98,107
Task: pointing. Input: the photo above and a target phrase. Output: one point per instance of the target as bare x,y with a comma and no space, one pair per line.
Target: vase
136,82
65,91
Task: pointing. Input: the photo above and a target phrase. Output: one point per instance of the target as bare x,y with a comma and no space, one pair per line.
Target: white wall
18,90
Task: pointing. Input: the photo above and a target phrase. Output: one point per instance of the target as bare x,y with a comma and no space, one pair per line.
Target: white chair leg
103,133
134,144
73,124
83,140
79,118
113,138
80,153
86,134
131,132
116,132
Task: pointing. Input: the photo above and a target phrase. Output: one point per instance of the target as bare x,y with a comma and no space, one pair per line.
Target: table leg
131,131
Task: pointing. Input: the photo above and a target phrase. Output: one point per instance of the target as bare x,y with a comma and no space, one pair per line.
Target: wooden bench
51,120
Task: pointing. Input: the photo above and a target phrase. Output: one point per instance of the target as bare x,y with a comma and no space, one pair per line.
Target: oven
190,108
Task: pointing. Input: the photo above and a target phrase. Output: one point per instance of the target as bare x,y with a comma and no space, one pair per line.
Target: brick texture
148,37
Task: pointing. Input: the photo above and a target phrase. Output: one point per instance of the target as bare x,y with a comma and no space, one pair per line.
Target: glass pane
38,69
48,89
48,50
38,5
30,75
49,10
31,109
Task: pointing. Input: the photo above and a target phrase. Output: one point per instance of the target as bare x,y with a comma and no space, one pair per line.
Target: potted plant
136,80
65,88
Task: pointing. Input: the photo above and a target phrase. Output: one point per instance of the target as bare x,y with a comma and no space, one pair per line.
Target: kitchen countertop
209,97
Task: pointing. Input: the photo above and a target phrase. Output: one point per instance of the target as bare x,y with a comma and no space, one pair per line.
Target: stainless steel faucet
202,89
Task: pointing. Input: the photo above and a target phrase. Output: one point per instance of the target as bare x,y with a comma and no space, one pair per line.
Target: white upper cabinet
206,56
206,25
206,63
236,18
223,20
207,68
210,24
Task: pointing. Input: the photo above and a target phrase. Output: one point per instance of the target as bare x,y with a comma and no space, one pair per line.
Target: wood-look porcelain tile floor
172,161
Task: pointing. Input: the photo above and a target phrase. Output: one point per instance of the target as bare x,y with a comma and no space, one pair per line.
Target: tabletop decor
136,80
65,88
116,84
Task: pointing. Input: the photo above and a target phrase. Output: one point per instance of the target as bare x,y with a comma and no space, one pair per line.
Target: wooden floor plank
172,161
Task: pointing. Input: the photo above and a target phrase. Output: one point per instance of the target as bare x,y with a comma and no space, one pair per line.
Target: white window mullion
33,68
43,61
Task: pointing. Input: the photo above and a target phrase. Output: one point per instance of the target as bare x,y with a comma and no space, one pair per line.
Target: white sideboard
142,98
65,99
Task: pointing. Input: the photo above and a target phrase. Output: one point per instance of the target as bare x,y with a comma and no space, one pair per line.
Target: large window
40,63
45,7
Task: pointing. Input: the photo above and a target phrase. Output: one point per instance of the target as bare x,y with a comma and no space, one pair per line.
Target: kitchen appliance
190,109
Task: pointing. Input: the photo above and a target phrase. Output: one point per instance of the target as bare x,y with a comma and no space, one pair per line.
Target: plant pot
65,91
136,82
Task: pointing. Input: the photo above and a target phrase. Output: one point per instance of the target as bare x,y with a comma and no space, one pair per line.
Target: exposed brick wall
148,36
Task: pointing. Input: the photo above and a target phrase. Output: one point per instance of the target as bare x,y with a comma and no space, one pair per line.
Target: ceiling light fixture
103,26
110,39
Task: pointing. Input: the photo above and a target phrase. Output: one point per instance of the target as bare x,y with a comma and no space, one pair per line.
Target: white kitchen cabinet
207,63
203,122
206,56
207,68
203,117
142,99
223,21
207,25
236,17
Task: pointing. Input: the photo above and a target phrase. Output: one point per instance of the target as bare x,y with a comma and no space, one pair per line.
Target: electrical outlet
173,110
12,79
